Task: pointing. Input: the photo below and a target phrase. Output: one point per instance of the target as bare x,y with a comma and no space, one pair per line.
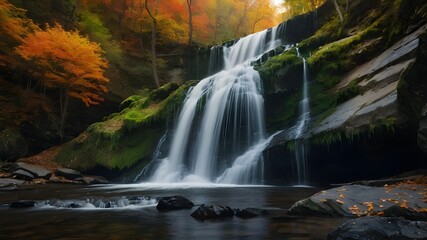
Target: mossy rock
125,138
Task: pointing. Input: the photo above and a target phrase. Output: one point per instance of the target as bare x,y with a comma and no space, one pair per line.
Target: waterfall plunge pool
143,221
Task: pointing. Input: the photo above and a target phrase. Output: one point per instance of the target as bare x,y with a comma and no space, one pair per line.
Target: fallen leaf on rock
322,200
369,205
339,201
342,196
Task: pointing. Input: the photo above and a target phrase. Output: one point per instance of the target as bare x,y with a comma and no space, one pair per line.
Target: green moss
279,69
285,112
125,138
327,138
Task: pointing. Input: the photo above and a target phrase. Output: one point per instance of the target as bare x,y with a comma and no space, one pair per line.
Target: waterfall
300,129
220,132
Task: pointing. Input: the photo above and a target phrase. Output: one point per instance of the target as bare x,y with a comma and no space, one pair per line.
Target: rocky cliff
366,94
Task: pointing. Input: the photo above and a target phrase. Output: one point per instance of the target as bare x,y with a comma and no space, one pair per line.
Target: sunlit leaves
13,28
66,60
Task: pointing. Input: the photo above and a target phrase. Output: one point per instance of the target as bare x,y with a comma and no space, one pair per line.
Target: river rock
10,181
68,173
379,228
22,174
422,130
250,213
22,204
37,171
211,211
93,180
403,200
174,203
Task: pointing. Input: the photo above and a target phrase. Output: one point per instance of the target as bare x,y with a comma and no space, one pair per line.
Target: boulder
12,144
211,211
403,200
250,213
422,130
37,171
23,204
23,175
10,181
68,173
174,203
379,228
93,180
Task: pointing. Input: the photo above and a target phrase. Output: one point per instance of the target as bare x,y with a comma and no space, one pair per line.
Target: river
143,221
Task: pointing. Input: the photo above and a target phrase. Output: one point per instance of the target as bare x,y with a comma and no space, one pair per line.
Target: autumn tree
14,26
68,62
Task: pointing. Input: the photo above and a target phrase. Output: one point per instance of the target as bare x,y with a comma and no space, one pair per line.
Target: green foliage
126,137
92,25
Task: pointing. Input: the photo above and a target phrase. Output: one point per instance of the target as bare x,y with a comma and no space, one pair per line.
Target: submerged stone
174,203
23,204
250,213
211,211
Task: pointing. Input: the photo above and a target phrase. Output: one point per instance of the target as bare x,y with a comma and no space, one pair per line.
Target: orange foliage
13,28
67,61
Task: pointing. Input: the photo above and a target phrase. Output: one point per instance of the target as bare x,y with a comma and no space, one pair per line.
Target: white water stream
220,133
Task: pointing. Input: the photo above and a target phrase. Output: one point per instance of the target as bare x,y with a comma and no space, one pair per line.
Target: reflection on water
148,223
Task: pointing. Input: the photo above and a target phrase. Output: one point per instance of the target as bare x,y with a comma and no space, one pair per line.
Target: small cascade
155,160
220,129
300,129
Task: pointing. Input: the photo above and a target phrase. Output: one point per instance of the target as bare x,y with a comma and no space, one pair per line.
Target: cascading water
220,132
299,130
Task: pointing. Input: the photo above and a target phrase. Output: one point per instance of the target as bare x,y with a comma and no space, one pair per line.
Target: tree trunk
153,45
337,7
346,6
190,22
63,102
121,17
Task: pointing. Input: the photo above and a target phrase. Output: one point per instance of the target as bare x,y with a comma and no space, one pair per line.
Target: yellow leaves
339,201
404,204
341,196
355,210
322,200
369,205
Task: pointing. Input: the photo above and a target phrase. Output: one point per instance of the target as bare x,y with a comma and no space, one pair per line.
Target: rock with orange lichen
405,199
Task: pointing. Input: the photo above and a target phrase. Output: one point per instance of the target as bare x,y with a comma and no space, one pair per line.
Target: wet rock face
379,228
402,200
422,130
174,203
211,211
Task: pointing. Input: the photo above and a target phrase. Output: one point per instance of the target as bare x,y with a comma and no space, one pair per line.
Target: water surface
145,222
